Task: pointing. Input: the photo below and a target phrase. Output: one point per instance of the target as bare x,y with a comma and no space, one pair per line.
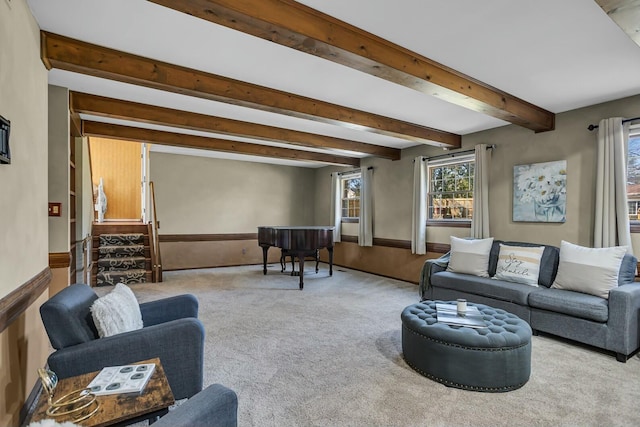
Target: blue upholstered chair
171,332
215,406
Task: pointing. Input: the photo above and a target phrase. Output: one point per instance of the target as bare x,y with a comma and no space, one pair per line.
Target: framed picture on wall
5,152
540,192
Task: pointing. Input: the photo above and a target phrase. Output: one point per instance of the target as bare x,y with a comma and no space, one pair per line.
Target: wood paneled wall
119,164
388,258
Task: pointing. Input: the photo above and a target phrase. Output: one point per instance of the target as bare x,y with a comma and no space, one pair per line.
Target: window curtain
480,218
336,207
419,217
365,231
611,216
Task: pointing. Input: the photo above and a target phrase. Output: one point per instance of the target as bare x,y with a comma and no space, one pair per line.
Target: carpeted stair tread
121,239
120,251
110,278
121,258
123,263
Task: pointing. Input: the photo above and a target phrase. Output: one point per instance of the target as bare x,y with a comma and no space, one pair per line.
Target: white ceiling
558,55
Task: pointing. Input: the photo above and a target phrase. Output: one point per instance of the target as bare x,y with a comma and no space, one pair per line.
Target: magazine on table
122,379
448,313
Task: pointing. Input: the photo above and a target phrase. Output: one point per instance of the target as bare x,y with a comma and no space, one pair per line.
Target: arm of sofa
624,315
179,344
215,406
430,267
167,309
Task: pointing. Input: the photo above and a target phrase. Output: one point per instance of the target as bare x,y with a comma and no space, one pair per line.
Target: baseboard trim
17,301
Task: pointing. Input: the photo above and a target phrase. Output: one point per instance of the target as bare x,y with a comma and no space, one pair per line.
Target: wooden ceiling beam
626,14
108,130
82,103
300,27
73,55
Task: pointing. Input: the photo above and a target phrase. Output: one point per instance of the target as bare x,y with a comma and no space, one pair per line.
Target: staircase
121,253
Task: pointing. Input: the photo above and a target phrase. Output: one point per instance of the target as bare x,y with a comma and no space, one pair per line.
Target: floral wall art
540,192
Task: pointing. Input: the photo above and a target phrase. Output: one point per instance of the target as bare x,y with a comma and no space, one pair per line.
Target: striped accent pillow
589,270
520,264
470,256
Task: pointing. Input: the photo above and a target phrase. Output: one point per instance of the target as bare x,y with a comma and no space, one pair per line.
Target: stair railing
156,258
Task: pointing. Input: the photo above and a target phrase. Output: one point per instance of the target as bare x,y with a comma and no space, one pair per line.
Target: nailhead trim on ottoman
492,359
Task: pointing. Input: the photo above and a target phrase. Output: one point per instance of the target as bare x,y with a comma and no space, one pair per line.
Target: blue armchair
215,406
171,332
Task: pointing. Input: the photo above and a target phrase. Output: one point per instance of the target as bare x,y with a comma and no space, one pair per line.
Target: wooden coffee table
154,401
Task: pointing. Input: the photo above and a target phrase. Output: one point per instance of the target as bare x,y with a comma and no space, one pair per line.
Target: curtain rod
457,153
592,127
353,171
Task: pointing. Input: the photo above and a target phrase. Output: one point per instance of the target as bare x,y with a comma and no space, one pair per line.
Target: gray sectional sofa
611,324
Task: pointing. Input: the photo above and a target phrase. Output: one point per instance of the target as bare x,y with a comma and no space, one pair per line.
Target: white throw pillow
470,256
589,270
520,264
116,312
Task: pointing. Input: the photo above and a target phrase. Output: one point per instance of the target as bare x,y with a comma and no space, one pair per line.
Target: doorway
120,166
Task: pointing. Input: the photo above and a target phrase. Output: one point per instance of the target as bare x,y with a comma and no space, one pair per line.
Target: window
633,174
450,187
350,196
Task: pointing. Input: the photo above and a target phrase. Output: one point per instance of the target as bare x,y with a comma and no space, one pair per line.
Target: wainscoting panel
388,257
388,261
212,253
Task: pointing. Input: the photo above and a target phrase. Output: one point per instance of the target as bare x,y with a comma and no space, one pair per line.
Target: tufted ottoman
493,359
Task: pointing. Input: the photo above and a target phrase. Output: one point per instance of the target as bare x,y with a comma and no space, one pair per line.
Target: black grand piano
298,242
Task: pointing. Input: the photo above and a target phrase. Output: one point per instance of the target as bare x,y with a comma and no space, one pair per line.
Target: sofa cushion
548,262
470,256
571,303
483,286
589,270
520,264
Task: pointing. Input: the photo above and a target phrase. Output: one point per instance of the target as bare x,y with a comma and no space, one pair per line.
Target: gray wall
23,183
59,153
200,195
571,141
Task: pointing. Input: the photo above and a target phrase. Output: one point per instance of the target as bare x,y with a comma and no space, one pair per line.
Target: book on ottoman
448,313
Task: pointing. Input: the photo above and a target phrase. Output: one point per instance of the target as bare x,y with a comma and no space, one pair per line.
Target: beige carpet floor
331,355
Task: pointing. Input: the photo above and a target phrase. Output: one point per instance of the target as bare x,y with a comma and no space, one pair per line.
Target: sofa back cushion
628,268
470,256
548,262
519,264
589,270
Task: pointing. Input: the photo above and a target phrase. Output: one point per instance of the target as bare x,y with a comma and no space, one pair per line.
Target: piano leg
301,268
330,260
317,256
265,248
283,260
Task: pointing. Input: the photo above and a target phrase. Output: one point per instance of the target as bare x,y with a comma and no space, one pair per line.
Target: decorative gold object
79,404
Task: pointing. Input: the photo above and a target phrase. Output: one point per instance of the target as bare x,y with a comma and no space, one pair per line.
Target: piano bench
284,253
